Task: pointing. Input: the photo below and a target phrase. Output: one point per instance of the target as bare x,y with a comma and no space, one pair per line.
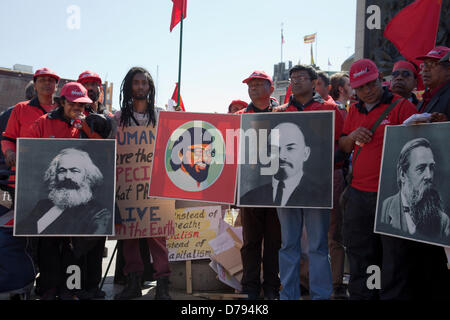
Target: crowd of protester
274,240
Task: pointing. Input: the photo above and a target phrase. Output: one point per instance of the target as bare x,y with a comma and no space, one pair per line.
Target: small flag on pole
179,7
309,38
173,101
329,63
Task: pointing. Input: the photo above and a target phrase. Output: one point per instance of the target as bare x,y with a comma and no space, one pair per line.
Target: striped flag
309,38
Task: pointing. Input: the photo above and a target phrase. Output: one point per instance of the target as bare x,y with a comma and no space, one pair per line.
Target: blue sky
223,42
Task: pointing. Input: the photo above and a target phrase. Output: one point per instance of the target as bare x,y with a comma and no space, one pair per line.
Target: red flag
288,94
179,6
175,98
414,39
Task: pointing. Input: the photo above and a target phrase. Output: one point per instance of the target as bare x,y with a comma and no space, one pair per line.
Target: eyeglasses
199,152
429,64
299,78
404,74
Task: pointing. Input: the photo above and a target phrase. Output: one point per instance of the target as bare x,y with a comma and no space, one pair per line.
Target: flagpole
316,49
179,61
281,42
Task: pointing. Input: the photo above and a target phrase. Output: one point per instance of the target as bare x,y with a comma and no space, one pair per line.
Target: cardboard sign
138,215
194,228
196,157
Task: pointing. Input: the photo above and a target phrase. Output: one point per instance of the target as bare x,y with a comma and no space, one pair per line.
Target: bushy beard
68,194
425,212
199,176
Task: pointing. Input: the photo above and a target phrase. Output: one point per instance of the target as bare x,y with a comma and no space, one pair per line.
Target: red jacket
53,125
316,104
22,117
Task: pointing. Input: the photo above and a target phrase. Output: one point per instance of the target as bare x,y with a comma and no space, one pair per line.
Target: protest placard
194,228
196,157
65,187
413,200
139,216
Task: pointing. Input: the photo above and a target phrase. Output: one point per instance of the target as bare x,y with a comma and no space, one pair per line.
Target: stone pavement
147,294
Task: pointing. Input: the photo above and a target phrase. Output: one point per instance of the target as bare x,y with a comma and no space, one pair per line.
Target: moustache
285,163
67,184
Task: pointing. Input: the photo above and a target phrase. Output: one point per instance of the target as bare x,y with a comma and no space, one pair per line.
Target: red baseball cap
45,72
239,102
436,53
75,92
89,76
402,64
362,71
258,75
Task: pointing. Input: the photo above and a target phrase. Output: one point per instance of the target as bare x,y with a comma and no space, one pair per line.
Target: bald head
293,151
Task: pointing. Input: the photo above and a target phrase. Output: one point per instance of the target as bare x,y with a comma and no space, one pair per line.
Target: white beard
69,198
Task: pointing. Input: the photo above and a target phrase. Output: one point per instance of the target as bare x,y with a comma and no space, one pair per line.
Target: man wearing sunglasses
404,80
435,71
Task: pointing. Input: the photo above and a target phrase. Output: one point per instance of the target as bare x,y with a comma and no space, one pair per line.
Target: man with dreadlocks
137,108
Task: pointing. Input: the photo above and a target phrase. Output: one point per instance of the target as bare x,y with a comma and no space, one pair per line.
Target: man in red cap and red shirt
409,277
404,80
26,112
435,71
93,84
260,224
303,81
99,116
363,246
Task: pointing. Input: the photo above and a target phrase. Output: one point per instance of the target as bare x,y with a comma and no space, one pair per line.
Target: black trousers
90,264
260,224
413,270
54,256
363,246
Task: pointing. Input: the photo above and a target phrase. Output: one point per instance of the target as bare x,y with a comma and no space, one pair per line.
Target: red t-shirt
22,116
366,169
318,104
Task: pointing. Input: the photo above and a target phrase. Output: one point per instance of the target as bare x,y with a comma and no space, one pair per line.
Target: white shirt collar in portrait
289,186
48,218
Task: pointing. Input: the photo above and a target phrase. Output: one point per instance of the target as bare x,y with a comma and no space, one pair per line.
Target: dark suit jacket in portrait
87,219
392,214
306,194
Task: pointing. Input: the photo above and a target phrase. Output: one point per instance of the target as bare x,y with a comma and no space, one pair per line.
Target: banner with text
138,215
194,228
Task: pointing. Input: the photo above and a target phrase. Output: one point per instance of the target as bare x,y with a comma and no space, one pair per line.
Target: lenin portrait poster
65,187
413,196
287,160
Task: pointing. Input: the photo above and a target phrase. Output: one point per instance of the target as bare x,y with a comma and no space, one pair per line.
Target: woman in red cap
68,120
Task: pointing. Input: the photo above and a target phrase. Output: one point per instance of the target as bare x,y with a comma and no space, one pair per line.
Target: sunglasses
404,74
